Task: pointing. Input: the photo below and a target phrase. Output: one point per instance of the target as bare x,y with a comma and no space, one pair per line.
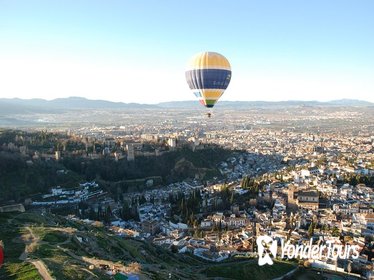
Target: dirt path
42,269
133,268
31,242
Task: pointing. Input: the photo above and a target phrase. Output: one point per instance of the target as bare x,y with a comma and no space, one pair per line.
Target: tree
107,215
335,232
311,229
220,230
142,200
191,220
92,214
99,213
232,198
182,206
126,211
324,227
174,248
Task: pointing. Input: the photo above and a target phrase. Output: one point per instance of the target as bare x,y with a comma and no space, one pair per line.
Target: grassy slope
249,270
13,268
58,247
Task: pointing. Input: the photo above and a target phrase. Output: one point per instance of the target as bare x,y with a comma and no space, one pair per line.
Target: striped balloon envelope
208,75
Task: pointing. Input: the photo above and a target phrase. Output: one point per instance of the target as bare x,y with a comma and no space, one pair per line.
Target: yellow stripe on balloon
212,93
209,60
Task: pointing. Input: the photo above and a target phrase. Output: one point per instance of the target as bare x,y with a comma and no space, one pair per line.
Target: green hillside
73,250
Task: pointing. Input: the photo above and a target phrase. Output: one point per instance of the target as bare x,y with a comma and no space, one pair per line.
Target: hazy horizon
186,100
137,51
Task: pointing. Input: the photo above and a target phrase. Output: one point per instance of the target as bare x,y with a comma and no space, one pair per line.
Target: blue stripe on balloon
197,94
208,78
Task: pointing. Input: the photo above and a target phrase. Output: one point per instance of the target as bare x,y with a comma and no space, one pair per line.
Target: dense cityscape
262,174
186,140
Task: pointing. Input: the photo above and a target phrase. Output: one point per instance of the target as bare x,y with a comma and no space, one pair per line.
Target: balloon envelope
208,75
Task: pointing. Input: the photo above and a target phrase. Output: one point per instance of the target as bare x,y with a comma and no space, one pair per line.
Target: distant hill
65,104
278,104
10,106
351,102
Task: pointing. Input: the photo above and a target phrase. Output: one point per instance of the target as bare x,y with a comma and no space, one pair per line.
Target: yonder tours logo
268,249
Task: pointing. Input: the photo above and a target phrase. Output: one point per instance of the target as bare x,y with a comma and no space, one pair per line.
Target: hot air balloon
208,75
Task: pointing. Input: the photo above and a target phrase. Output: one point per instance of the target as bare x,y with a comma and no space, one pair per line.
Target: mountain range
19,106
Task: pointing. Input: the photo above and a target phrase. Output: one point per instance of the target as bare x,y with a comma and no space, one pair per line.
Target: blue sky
136,51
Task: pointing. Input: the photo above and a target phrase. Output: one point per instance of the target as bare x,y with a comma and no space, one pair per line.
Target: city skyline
132,52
